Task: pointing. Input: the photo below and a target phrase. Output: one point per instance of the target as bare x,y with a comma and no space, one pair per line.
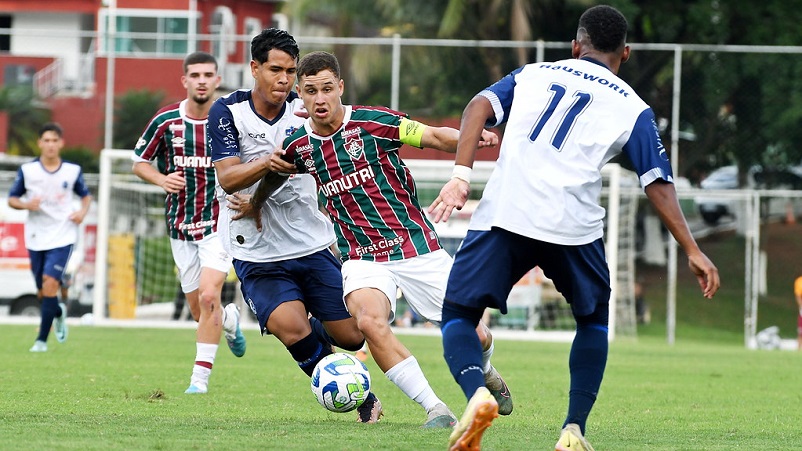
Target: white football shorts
191,256
422,280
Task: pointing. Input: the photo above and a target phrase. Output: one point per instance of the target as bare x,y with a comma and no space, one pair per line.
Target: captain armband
411,132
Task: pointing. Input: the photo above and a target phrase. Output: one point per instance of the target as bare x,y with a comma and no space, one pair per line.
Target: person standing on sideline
383,235
798,296
565,121
282,256
176,140
45,187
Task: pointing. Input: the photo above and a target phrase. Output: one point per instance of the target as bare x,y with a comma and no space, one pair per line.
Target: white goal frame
622,191
619,231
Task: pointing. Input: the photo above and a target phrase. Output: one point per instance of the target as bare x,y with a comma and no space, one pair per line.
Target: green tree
132,112
85,157
742,108
25,115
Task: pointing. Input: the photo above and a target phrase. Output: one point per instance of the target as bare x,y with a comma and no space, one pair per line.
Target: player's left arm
78,216
444,139
81,190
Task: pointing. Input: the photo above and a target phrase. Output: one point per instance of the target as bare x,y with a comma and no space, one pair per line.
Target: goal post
542,308
135,271
134,260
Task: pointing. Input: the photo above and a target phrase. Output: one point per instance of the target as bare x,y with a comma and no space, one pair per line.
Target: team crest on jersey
354,147
290,130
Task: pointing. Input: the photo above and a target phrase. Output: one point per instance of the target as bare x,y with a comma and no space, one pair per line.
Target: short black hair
199,58
316,62
606,28
51,127
273,38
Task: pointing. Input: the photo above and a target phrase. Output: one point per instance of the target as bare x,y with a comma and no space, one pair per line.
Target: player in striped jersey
383,235
565,121
175,139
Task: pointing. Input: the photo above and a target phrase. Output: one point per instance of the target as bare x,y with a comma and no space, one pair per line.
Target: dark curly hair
605,26
273,38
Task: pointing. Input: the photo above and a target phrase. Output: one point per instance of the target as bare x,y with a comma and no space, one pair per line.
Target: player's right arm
147,149
171,183
223,138
17,191
18,204
454,194
234,175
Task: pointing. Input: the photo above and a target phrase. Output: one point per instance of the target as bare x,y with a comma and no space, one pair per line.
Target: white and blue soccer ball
340,382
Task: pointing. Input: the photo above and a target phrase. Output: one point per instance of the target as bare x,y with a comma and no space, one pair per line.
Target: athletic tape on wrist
462,173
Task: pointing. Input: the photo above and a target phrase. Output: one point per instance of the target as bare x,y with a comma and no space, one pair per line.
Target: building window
5,36
148,32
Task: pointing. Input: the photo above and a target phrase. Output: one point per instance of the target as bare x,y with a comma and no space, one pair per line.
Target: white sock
408,376
200,374
486,357
229,325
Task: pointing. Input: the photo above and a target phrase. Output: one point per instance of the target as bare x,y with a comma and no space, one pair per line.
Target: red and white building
62,48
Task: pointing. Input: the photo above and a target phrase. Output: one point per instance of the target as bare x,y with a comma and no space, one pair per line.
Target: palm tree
25,115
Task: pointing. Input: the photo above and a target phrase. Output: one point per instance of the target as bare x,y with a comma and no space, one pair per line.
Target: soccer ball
340,382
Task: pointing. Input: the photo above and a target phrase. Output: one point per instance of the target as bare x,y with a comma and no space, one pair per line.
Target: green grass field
122,388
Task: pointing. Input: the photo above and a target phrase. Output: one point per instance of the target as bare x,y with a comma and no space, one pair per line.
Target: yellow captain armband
411,132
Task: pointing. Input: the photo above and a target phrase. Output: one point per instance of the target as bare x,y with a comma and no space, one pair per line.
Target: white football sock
486,354
200,374
408,376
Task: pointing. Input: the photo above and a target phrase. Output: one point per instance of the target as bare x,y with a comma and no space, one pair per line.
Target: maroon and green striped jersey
365,186
177,142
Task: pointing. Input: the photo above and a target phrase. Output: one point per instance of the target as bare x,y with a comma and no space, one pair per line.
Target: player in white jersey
45,187
176,140
281,248
565,120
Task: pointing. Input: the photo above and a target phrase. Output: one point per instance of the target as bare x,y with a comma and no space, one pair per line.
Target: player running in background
565,121
176,140
384,238
45,187
281,248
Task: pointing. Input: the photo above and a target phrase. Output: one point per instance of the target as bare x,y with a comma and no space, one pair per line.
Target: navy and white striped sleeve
646,151
18,187
500,94
222,134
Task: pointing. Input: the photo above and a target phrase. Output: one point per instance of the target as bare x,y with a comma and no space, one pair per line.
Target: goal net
534,304
135,272
134,265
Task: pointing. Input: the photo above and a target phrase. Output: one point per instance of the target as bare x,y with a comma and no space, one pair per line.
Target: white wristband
462,173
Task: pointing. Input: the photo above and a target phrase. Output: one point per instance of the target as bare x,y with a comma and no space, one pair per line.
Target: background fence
715,105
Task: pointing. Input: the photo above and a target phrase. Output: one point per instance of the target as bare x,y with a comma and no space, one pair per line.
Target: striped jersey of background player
175,139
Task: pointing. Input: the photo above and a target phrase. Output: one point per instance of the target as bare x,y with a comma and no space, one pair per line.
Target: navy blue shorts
490,262
52,262
314,279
